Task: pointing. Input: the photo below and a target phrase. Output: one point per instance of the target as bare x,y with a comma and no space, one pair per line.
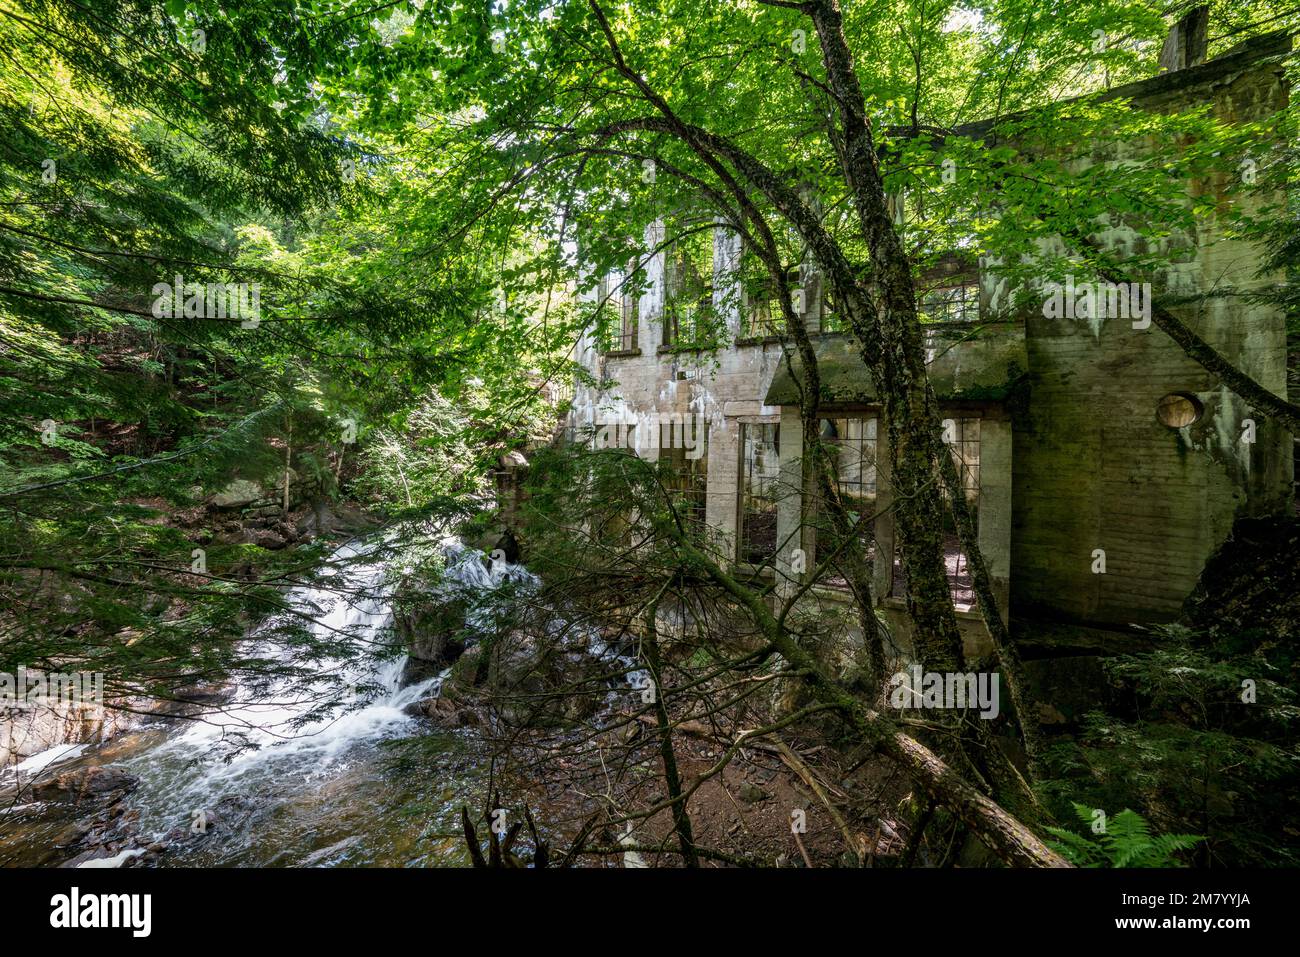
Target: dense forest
964,338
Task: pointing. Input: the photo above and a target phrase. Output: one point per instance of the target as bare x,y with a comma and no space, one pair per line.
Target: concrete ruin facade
1105,465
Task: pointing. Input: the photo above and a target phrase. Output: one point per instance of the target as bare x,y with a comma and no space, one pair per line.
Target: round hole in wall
1179,409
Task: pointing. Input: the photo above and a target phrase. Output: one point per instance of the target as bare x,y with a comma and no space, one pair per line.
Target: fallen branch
797,765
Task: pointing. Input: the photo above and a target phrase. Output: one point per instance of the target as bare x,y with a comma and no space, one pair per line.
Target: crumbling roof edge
1255,50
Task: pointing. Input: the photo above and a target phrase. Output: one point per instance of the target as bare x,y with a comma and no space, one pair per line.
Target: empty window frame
854,438
957,302
832,317
760,473
620,306
690,321
854,441
687,470
962,436
764,318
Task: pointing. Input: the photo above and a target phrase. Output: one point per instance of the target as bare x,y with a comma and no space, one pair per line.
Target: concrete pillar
650,307
995,505
789,508
726,279
722,497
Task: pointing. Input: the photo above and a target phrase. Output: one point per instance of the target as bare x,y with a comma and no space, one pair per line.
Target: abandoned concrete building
1105,466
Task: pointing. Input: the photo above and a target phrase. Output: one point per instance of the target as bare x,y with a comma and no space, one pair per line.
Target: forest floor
740,815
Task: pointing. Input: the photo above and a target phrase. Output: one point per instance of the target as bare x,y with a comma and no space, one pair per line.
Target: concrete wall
1074,460
1094,469
726,387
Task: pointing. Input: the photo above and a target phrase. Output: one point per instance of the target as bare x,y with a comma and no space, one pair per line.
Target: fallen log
1013,842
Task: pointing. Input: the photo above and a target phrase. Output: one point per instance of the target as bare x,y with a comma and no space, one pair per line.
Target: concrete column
726,278
995,505
790,502
721,502
883,573
650,308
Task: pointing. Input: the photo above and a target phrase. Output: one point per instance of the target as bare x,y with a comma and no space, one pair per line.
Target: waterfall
277,734
287,770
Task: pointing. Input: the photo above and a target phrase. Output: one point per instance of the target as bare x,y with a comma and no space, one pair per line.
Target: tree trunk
288,457
681,820
1013,842
910,412
1004,645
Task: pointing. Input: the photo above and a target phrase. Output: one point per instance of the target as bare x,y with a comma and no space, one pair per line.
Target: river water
266,780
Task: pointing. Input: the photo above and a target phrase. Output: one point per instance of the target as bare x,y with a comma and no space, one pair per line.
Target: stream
366,787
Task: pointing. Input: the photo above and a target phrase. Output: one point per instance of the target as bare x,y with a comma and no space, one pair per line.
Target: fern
1126,842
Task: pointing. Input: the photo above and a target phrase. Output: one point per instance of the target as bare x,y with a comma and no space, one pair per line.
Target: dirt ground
746,814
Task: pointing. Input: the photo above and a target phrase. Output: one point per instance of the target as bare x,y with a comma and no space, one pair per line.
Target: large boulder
101,784
349,518
239,494
448,712
267,538
432,626
320,520
540,682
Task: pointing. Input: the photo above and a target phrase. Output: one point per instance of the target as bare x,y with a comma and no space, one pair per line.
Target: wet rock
112,855
539,684
494,537
349,518
93,783
435,708
533,681
320,520
447,713
432,626
199,824
109,828
507,545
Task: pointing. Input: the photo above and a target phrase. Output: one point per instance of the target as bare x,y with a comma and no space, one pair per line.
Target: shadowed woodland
950,339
